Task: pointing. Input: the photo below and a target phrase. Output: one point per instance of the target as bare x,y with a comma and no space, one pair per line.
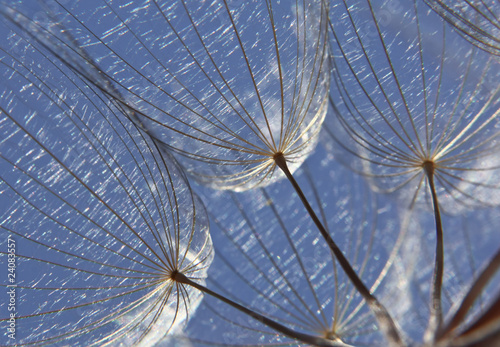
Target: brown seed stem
474,292
436,314
309,339
385,321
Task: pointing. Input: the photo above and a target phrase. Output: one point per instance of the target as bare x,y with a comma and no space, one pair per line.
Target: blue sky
87,194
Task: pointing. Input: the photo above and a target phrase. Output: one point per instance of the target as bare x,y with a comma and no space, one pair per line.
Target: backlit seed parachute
409,92
98,217
269,257
476,21
226,86
420,107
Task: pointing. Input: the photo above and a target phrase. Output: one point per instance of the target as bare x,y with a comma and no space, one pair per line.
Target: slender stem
474,292
436,314
385,321
309,339
486,326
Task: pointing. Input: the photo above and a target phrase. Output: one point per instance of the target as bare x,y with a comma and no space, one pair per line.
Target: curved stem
384,320
309,339
474,292
436,314
486,326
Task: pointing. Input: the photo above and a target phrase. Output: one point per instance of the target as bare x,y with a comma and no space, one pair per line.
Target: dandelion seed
305,288
225,95
412,92
95,242
404,110
476,21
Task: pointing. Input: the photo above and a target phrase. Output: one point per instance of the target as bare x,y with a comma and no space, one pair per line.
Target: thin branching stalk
472,295
313,340
383,317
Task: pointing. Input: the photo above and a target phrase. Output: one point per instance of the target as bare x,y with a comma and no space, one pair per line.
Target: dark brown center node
429,166
278,156
173,275
279,159
179,277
